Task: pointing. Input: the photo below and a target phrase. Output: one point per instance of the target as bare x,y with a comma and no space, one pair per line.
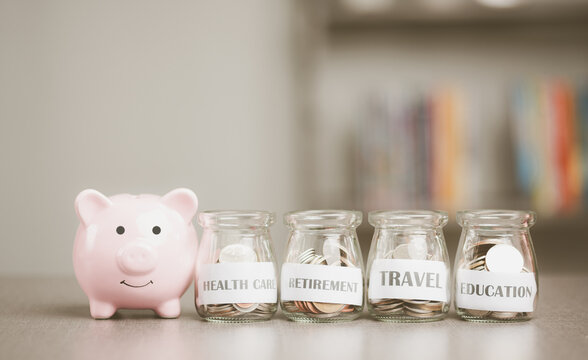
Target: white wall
139,97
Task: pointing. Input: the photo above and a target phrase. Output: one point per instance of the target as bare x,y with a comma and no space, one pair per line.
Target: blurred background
294,104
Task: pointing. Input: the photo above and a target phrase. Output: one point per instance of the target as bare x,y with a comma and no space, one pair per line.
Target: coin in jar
237,253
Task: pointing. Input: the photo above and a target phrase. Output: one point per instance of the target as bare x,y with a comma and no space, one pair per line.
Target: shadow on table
78,311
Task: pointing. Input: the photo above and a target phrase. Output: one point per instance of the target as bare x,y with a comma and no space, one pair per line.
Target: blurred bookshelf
449,105
429,148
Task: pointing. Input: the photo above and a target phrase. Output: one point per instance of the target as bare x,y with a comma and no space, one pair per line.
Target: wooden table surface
49,319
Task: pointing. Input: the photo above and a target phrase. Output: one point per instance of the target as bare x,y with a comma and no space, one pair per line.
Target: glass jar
408,266
235,279
495,270
322,273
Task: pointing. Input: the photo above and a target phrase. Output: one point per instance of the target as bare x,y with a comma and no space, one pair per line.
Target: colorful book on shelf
431,148
582,135
548,148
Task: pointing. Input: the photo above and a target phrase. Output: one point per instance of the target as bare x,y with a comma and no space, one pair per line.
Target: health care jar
235,279
322,273
495,270
408,266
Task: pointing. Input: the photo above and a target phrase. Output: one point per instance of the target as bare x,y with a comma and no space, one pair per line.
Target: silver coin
237,253
504,315
417,247
415,314
389,255
331,250
478,313
347,262
304,255
401,252
416,309
245,308
504,258
416,302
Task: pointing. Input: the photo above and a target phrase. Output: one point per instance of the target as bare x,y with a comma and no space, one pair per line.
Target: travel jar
496,276
408,266
322,272
235,278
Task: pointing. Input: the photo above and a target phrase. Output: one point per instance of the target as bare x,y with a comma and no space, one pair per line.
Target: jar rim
392,218
236,218
323,219
491,217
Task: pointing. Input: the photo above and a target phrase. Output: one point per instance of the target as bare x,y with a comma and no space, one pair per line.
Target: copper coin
348,308
479,313
328,308
504,315
245,308
312,308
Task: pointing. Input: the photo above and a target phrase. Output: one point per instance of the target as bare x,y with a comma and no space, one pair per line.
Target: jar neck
408,219
496,219
408,228
323,220
236,220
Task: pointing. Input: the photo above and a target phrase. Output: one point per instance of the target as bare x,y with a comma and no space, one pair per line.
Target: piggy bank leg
101,310
169,309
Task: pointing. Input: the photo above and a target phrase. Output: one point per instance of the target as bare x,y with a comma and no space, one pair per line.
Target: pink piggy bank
135,252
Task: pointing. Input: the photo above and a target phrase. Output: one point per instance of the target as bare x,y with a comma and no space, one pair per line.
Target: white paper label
408,279
322,283
484,290
229,283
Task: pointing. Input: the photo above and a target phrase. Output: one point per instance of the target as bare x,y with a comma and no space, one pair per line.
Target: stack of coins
408,307
238,310
490,255
412,308
333,254
238,253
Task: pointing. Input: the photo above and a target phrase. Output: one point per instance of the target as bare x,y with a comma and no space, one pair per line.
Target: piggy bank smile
124,282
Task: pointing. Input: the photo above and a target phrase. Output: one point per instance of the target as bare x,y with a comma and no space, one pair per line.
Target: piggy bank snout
137,259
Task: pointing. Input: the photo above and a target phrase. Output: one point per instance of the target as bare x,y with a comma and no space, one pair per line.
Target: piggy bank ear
88,203
184,201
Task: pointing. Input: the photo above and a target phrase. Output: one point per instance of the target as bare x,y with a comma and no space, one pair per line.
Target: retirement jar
408,266
495,268
235,279
322,273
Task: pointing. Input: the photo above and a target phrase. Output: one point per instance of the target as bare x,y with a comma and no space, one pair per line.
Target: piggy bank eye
156,230
120,230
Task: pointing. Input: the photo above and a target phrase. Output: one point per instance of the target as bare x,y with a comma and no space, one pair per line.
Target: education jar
496,276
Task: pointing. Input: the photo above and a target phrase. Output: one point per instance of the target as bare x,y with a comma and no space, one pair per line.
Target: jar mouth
236,218
323,219
490,218
403,218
